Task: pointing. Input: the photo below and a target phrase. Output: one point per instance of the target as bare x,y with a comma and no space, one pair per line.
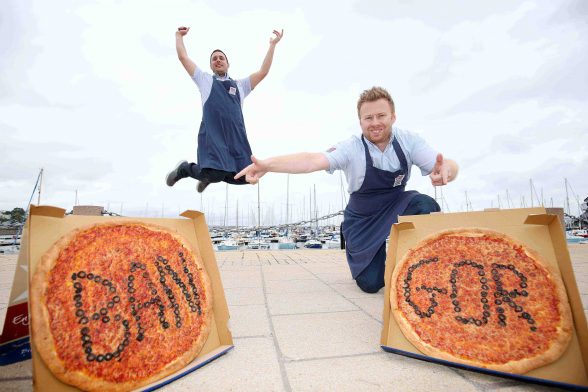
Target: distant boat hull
313,244
287,245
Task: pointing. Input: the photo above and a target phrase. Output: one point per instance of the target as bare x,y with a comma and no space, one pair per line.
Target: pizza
480,298
119,305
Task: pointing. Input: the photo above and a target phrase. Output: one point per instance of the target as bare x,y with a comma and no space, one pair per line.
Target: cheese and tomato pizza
478,297
119,305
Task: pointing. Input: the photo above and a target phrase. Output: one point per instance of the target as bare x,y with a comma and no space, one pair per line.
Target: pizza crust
40,319
555,350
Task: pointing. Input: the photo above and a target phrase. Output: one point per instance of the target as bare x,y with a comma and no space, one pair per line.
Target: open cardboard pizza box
47,224
532,226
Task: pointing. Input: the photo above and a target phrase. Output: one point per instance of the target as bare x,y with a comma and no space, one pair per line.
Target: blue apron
222,139
373,209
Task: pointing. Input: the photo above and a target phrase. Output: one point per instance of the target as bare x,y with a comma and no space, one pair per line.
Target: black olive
457,309
90,276
90,357
95,316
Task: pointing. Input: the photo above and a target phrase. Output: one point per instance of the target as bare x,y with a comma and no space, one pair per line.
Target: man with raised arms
223,148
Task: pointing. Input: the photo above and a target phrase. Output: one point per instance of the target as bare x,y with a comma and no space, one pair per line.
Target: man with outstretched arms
377,166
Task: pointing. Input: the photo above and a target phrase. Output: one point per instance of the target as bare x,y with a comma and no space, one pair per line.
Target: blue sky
92,92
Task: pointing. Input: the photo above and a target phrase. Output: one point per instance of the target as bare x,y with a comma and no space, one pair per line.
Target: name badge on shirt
398,180
232,90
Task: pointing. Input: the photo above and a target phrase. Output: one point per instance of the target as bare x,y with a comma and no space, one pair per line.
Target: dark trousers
371,279
211,175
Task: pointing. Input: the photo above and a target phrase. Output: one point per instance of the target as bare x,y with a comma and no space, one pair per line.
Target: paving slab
241,278
373,306
252,365
244,296
296,286
292,303
376,372
349,289
319,335
249,320
286,272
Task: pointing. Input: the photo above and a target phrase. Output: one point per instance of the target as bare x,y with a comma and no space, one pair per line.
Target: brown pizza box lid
534,227
48,223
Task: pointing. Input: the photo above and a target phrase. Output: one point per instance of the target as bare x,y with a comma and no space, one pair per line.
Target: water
275,246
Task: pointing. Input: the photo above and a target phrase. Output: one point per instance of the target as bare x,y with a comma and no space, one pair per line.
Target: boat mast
531,187
567,197
287,198
258,207
226,204
315,209
40,186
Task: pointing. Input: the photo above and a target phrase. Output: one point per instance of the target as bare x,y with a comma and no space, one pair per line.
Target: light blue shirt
204,82
349,156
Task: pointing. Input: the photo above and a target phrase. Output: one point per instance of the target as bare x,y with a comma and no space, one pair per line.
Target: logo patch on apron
232,90
398,180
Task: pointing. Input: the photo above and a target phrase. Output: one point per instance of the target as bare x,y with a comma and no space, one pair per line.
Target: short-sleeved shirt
349,156
204,82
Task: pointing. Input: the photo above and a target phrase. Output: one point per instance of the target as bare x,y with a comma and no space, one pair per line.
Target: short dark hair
218,50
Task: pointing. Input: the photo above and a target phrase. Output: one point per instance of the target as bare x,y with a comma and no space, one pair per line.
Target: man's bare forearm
303,162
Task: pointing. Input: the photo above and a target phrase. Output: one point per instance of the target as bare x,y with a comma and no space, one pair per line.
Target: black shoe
202,186
175,175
